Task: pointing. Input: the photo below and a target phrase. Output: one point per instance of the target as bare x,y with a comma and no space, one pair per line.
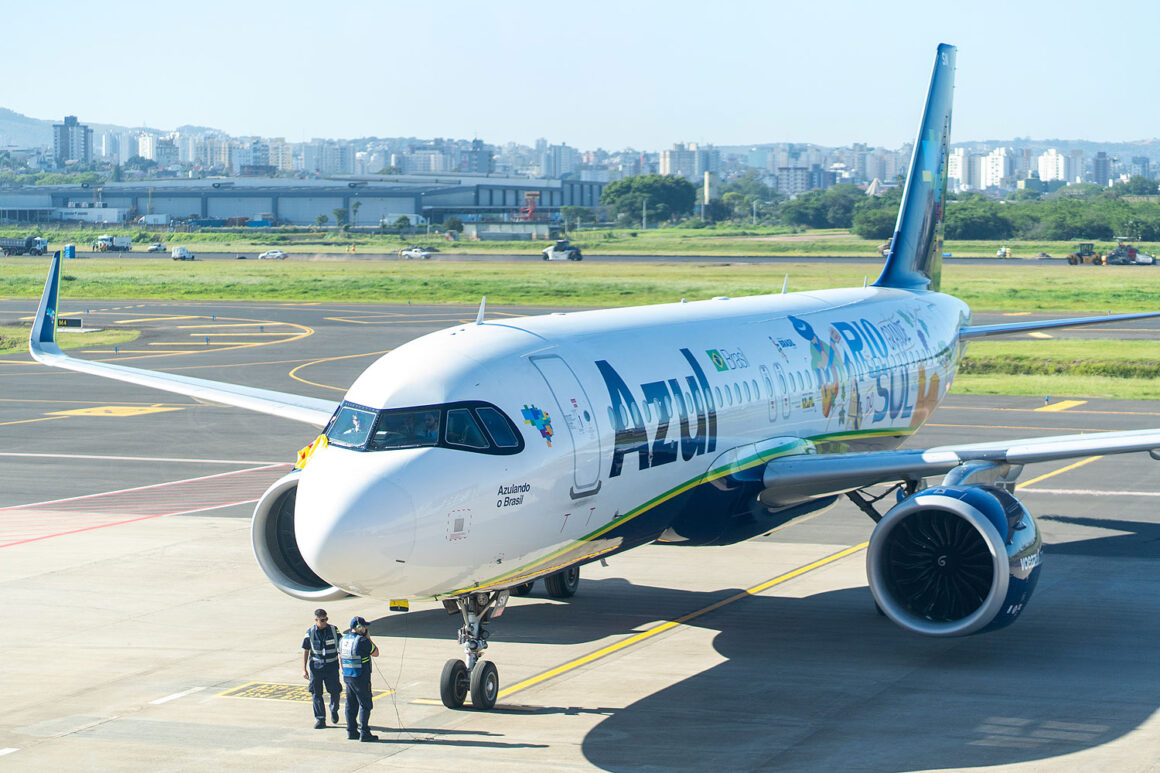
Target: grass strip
14,338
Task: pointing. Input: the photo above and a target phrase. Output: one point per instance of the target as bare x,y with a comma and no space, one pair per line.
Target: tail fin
915,258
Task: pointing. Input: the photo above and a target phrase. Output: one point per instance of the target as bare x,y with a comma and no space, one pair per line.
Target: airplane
472,462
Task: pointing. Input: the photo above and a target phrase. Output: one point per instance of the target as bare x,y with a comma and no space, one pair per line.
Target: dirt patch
797,237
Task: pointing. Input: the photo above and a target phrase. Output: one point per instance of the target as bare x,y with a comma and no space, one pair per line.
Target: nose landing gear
477,676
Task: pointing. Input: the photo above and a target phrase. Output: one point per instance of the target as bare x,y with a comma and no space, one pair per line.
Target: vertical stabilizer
915,258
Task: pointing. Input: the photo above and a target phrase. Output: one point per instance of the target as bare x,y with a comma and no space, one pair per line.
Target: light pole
644,214
755,211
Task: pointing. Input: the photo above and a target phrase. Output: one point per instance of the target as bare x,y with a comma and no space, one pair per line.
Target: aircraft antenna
482,310
785,284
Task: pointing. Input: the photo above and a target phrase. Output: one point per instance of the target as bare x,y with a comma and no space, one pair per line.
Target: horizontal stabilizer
981,331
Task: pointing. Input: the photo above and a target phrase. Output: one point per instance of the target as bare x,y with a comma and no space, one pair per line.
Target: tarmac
143,636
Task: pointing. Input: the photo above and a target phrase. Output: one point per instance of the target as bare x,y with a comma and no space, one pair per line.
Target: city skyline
596,76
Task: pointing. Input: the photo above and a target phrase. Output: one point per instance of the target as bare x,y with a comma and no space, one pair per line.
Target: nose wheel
473,675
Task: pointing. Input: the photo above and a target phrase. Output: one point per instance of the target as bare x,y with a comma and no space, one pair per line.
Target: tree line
1130,209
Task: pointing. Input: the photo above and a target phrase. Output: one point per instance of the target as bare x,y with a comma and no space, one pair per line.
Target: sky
590,74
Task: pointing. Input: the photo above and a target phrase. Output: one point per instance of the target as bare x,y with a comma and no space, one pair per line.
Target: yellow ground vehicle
1085,253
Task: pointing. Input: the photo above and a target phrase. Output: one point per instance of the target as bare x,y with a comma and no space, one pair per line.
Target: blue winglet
915,259
42,339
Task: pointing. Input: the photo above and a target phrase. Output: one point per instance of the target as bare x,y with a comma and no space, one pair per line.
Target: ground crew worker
320,666
355,652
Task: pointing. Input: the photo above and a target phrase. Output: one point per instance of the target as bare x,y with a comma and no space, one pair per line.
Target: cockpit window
457,425
463,431
351,426
406,429
497,427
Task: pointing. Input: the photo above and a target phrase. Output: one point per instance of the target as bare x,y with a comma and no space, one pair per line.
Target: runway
125,561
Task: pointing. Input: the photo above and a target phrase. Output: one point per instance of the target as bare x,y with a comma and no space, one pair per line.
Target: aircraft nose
354,526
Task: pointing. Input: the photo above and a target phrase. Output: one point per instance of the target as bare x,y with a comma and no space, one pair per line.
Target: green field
14,338
1002,286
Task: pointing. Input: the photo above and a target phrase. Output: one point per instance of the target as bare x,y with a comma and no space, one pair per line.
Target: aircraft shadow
1142,539
824,683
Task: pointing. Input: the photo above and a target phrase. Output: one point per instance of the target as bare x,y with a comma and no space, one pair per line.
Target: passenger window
728,395
497,427
718,391
351,427
737,392
748,397
463,431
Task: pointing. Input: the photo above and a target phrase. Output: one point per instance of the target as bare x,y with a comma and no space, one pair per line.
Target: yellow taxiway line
671,624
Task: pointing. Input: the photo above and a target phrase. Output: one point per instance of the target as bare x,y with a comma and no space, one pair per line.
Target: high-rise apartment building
72,141
1101,169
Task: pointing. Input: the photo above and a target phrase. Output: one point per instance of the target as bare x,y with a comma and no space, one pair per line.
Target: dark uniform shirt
362,651
324,651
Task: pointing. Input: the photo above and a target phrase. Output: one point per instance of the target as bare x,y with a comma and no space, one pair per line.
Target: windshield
351,426
465,426
406,429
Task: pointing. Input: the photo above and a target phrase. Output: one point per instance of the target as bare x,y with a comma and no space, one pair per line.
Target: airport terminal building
367,200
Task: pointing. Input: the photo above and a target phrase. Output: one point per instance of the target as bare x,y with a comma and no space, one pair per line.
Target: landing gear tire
564,583
454,683
484,685
523,590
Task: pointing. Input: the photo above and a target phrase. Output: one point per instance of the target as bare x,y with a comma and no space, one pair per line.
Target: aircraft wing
801,477
42,346
981,331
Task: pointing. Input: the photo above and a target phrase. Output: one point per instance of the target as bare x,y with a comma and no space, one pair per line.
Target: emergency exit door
575,412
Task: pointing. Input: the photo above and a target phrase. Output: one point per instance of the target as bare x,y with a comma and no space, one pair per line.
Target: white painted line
176,695
8,750
1089,492
135,458
152,486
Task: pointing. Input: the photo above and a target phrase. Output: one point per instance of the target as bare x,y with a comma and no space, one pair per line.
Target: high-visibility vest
352,663
323,644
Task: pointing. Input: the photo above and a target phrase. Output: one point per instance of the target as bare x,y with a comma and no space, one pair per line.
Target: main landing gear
477,676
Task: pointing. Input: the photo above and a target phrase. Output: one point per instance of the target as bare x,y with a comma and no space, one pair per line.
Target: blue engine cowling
953,561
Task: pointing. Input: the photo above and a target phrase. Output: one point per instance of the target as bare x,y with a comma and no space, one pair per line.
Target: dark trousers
358,705
325,677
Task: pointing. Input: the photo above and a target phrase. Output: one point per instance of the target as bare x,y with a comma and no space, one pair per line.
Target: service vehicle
109,243
1126,254
155,247
272,255
1085,252
181,253
24,245
417,253
562,250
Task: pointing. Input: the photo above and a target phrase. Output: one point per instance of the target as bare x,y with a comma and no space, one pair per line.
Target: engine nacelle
276,547
952,561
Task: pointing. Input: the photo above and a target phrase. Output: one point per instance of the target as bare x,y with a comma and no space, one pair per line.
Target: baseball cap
355,622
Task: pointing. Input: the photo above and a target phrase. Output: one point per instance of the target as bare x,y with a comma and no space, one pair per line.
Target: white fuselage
626,417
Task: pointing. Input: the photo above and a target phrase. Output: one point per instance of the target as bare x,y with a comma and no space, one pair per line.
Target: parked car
417,253
155,247
272,255
181,253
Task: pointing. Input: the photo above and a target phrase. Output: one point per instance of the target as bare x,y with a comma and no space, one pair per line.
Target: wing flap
42,345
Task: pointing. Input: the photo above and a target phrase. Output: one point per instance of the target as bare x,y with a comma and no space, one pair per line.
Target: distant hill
22,131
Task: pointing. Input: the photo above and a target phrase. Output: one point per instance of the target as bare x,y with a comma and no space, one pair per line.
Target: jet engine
954,560
276,547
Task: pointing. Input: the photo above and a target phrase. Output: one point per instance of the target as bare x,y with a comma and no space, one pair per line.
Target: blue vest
353,664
